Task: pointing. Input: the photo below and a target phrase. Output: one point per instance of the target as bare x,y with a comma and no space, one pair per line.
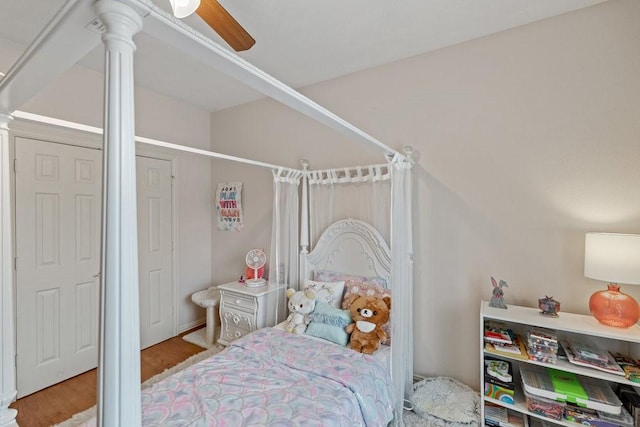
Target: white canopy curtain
361,192
402,280
283,260
381,196
283,267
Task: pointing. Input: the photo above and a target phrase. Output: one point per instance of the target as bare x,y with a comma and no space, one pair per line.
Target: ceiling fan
217,18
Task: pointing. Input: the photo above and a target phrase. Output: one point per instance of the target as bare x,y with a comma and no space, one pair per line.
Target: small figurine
241,279
497,298
549,306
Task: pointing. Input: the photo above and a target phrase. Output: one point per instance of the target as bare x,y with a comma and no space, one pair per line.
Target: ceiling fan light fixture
184,8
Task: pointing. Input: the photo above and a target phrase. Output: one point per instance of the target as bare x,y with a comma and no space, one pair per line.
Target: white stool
210,300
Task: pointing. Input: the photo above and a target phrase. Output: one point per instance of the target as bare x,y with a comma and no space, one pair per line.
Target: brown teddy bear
369,314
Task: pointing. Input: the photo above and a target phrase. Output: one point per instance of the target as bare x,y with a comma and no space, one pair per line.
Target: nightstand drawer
232,333
238,319
239,302
244,309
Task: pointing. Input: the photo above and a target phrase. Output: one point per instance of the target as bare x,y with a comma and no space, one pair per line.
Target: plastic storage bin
542,340
544,407
541,355
567,387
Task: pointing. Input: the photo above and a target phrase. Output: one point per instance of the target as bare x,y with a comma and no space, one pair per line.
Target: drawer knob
238,302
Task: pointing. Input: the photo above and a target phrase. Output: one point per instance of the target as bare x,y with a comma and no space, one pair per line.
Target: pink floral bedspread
274,378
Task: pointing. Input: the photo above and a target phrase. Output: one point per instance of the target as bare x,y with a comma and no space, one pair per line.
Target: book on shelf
515,350
499,372
505,385
499,416
591,417
591,357
629,366
514,347
498,333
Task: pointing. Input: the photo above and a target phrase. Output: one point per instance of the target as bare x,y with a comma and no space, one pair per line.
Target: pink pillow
354,287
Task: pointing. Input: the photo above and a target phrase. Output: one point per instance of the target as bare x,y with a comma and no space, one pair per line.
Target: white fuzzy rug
446,402
410,418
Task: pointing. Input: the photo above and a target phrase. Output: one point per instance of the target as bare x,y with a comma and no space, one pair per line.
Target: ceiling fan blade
223,23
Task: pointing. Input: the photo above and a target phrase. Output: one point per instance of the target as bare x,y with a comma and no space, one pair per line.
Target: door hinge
15,263
15,361
15,165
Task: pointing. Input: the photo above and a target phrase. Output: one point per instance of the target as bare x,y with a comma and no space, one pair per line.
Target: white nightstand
244,309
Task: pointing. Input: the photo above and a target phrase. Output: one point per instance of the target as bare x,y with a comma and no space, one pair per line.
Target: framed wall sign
229,206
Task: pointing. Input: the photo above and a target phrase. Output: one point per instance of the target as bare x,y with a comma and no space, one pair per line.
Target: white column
119,363
7,328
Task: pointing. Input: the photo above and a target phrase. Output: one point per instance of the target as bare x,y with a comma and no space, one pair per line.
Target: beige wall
77,96
526,140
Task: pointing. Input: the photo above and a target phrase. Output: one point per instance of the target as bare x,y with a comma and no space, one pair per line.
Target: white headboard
350,246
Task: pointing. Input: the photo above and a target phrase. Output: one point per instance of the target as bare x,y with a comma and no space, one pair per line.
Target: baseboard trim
417,378
191,325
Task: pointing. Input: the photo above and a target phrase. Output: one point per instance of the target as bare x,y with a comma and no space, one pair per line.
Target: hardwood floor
61,401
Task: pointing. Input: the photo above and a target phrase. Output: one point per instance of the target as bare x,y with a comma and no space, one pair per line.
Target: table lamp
614,258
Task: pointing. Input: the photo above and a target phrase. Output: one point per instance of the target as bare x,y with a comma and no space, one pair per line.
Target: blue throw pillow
328,322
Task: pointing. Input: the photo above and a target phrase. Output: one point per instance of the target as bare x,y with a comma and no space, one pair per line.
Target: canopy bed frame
351,246
274,377
62,43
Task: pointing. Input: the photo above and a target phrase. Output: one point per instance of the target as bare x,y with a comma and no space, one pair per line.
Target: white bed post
304,225
119,363
402,273
7,329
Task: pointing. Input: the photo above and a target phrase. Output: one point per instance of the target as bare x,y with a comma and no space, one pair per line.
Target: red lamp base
614,308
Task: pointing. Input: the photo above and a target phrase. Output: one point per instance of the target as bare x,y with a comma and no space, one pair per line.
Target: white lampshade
184,8
612,258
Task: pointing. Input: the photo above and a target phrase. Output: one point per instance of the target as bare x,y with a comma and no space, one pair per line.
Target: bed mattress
272,377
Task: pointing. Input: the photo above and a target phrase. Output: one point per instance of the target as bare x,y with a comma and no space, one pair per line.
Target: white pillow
329,292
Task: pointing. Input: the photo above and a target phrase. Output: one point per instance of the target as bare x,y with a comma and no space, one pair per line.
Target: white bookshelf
567,325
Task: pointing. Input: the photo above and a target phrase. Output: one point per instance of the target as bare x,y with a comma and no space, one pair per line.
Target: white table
210,300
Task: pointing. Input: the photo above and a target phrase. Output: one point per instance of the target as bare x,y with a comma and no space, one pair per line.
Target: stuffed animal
301,304
369,314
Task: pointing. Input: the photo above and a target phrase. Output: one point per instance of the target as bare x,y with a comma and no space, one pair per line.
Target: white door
154,248
58,199
58,211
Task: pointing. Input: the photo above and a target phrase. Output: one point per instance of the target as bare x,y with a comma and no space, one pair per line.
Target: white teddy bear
301,304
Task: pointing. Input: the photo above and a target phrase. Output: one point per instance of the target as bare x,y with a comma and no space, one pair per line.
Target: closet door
58,200
58,226
155,250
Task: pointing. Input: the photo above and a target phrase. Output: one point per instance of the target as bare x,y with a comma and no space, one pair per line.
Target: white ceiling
302,42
